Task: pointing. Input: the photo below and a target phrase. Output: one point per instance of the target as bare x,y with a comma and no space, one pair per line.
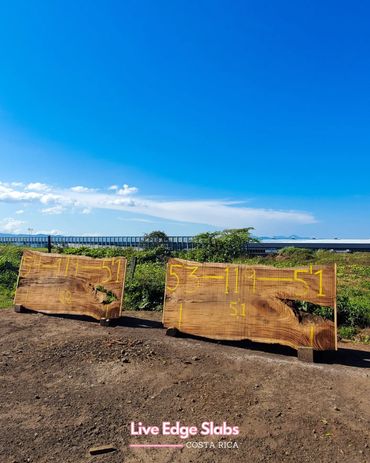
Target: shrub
222,246
347,332
155,238
351,312
145,290
296,255
314,309
10,258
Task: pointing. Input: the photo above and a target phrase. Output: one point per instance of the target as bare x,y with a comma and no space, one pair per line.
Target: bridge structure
265,246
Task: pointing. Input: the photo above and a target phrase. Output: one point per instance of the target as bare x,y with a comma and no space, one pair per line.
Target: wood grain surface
69,284
235,302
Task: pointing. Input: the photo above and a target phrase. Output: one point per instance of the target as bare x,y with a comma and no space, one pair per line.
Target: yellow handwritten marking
180,315
27,294
108,269
236,311
312,334
320,272
212,277
304,282
77,264
233,308
118,268
311,270
67,266
65,296
174,274
26,266
254,280
193,270
193,275
227,271
236,280
90,267
55,266
243,310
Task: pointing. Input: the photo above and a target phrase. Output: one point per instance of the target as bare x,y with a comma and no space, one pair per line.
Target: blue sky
214,114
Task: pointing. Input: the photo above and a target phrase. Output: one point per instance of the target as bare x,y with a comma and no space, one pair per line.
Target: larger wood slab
69,284
235,302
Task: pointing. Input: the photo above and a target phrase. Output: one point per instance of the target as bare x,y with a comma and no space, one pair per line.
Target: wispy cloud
11,225
36,186
54,210
216,212
127,190
82,189
136,219
48,232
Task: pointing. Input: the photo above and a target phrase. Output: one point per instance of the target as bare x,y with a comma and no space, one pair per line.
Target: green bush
222,246
10,258
296,256
350,312
347,332
146,289
314,309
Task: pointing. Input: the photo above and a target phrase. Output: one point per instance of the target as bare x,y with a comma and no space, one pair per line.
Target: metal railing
175,243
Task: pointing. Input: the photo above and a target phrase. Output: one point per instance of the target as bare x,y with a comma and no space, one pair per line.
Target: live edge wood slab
69,284
236,302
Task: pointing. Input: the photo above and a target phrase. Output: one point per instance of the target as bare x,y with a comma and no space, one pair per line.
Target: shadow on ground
343,356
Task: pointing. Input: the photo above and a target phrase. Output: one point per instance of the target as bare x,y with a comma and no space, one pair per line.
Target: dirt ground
69,384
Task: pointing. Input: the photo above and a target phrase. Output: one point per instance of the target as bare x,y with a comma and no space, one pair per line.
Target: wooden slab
235,302
69,284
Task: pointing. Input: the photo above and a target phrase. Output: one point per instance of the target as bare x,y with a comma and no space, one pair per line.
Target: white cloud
136,219
53,210
215,212
82,189
113,187
19,211
48,232
36,186
11,225
127,190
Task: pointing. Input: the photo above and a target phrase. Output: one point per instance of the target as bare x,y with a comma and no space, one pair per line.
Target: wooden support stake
174,332
105,322
306,354
19,308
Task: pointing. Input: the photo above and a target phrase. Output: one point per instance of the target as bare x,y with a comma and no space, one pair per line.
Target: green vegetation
109,296
10,258
220,246
144,291
155,238
347,332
